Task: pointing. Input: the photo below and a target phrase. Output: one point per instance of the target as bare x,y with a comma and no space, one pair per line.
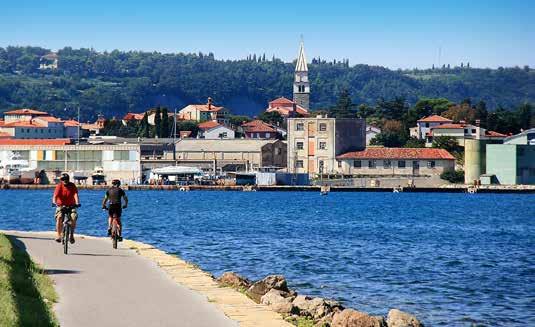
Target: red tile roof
34,141
71,123
257,126
133,116
283,106
452,126
494,134
205,107
49,119
398,153
23,123
25,112
435,119
208,125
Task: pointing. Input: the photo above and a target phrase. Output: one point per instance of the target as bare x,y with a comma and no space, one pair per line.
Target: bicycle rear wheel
114,234
66,234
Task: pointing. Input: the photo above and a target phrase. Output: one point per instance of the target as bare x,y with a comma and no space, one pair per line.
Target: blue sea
450,259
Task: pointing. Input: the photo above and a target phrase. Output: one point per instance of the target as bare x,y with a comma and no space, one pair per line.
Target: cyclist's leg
59,221
74,218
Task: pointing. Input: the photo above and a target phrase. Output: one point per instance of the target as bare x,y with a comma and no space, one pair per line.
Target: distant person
65,194
114,196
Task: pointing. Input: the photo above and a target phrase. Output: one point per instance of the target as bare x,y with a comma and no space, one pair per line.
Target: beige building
230,154
204,112
314,143
395,162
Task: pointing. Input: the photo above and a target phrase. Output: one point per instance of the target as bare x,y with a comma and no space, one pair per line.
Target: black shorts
115,210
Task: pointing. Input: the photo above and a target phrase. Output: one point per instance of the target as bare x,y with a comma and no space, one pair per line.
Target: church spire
301,83
301,65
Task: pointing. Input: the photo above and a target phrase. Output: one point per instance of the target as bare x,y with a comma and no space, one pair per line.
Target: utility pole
174,137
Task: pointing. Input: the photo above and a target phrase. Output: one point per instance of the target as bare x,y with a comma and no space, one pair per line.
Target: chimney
462,122
209,103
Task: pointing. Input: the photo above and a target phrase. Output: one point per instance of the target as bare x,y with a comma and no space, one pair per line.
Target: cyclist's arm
125,200
76,198
104,200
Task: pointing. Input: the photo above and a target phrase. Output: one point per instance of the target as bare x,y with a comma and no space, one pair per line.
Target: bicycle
66,212
115,229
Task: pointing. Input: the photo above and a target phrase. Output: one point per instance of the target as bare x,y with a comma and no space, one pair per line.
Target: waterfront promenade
99,286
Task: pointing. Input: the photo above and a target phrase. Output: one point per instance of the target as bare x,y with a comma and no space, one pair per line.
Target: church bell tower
301,83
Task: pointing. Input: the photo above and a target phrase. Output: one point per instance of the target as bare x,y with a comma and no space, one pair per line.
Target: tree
165,126
462,112
144,128
392,109
388,139
344,106
273,118
414,143
447,143
157,128
453,176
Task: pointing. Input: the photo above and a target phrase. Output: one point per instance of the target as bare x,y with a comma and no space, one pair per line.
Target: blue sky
395,34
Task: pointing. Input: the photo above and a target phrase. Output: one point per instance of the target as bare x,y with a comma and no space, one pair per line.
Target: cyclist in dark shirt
115,209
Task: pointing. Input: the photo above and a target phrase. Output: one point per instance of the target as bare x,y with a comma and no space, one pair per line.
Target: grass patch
26,293
301,321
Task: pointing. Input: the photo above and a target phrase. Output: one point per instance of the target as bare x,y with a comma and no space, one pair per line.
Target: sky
394,33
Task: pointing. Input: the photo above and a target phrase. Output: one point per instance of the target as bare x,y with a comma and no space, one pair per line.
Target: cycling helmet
116,182
64,177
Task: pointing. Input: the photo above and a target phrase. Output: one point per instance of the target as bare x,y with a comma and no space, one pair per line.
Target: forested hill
116,82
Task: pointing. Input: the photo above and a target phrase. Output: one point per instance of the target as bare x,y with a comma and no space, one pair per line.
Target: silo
474,160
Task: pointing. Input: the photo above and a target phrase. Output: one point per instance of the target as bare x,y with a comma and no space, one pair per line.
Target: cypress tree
157,122
164,132
143,130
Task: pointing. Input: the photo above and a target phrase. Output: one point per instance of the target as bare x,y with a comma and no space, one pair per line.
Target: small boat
98,177
325,189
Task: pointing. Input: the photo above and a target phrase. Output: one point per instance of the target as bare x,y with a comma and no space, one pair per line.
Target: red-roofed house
287,108
204,112
132,116
424,125
35,124
396,162
462,131
257,129
212,130
22,115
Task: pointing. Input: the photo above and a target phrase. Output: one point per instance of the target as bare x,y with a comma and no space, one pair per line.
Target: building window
357,164
387,164
121,155
473,130
323,145
300,127
339,163
323,127
431,164
223,135
372,164
466,131
299,145
401,164
299,164
426,124
268,135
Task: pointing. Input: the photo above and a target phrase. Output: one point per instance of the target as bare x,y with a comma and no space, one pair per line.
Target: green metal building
513,162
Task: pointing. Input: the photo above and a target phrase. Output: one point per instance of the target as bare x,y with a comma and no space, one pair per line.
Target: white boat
12,168
177,173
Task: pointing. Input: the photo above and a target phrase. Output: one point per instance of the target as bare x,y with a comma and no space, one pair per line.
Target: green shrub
453,176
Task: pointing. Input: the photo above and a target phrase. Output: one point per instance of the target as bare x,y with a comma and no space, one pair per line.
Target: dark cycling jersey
115,194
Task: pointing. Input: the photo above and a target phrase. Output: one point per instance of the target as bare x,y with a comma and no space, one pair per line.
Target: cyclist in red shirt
65,194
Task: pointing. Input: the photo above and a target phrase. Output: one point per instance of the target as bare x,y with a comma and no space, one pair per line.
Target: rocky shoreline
273,291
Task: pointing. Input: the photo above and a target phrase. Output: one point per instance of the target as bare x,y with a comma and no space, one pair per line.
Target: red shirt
65,194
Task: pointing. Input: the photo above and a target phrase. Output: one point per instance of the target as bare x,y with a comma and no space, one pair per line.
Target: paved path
100,286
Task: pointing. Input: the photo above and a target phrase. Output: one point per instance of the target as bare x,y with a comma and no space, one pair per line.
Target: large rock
279,301
353,318
261,287
316,308
234,280
398,318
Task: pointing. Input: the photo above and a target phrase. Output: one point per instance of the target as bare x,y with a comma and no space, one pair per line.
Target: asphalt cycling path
100,286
